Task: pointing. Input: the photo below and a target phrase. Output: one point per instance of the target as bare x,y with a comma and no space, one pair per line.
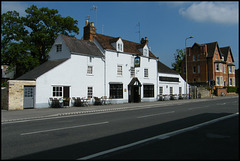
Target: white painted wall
73,73
65,53
166,85
126,61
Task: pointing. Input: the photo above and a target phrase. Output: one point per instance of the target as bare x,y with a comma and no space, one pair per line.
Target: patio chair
97,101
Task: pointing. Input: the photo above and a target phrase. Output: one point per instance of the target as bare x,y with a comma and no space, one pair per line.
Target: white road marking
63,128
162,136
197,107
156,114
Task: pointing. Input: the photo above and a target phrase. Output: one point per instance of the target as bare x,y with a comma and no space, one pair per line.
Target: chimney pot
86,22
145,38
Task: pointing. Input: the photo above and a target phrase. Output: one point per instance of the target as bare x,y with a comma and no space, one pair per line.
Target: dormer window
120,47
58,47
145,51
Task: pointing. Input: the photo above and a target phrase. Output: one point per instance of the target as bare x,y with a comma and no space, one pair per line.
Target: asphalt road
75,137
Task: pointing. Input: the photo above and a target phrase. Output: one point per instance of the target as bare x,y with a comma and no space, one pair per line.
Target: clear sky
165,24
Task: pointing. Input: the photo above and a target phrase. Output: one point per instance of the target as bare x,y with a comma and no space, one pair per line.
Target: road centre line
156,114
197,107
63,128
162,136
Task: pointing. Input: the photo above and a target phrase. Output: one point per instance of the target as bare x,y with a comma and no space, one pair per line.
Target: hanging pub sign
137,62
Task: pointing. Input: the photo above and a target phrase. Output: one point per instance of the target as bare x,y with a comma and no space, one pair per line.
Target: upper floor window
119,70
120,47
230,69
216,56
217,67
194,58
132,70
59,47
90,70
198,68
146,73
194,69
198,57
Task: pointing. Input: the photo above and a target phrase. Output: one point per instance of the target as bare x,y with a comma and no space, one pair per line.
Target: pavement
38,113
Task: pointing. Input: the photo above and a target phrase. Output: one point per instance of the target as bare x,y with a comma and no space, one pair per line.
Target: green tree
179,57
27,40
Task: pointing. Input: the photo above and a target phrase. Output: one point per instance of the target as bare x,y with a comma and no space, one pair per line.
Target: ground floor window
148,90
116,90
161,90
90,92
171,90
57,91
180,90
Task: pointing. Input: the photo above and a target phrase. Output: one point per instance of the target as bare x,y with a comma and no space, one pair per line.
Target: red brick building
207,62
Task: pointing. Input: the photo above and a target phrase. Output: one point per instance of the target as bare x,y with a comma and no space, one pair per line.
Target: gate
29,93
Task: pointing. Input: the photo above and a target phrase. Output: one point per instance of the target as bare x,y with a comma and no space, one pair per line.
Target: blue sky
165,24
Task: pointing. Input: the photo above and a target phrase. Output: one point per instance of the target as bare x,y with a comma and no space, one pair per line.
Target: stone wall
16,93
203,92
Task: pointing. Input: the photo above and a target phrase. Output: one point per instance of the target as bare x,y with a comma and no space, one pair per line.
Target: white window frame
230,81
90,92
230,69
90,70
160,90
132,72
146,73
217,81
57,91
58,48
217,67
119,70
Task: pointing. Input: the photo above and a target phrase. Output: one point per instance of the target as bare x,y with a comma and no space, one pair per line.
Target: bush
4,84
232,89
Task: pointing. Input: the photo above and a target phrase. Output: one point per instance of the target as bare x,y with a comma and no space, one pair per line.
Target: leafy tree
179,57
26,41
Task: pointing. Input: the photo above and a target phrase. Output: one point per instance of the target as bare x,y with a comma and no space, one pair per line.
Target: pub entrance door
134,91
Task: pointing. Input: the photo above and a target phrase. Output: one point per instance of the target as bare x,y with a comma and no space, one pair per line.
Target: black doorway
134,91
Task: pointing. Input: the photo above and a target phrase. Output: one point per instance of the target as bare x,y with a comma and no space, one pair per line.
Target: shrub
232,89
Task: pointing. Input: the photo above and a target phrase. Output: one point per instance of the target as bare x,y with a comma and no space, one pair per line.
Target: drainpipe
104,60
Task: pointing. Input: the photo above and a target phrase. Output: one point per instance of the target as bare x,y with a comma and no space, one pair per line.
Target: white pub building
97,66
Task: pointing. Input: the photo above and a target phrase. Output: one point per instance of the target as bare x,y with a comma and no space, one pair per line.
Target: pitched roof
225,50
211,49
162,68
130,47
82,46
43,68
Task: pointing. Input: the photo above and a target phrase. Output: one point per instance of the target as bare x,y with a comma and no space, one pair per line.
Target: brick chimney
89,31
144,41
